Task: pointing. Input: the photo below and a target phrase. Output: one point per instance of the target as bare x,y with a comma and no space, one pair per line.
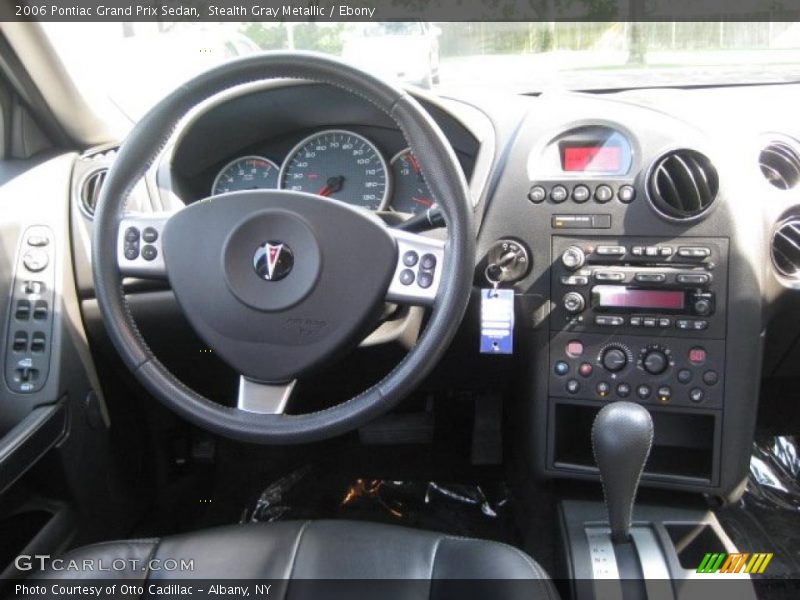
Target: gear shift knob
622,436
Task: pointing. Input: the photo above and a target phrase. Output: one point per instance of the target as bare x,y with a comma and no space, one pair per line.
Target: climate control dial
655,360
614,358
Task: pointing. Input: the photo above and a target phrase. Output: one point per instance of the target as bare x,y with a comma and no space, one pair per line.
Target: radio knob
573,258
702,307
655,362
614,359
574,302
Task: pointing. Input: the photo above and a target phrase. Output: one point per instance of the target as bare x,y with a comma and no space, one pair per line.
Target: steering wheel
279,282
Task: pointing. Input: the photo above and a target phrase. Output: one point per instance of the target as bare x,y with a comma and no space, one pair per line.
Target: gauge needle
423,201
333,185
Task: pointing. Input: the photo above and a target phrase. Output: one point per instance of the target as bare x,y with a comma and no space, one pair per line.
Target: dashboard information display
590,157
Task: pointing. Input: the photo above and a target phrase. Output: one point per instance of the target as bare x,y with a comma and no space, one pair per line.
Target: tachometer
411,193
246,173
338,164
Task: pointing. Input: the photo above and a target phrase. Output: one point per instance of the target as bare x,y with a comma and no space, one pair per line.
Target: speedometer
338,164
246,173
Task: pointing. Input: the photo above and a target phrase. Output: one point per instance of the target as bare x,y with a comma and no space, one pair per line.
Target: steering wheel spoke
263,398
418,272
139,245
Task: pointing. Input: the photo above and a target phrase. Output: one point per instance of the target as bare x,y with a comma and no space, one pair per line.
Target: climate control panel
669,372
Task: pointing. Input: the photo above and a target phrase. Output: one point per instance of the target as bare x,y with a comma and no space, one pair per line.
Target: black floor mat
473,510
767,518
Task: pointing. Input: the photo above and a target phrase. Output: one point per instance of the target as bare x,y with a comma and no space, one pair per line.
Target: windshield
124,68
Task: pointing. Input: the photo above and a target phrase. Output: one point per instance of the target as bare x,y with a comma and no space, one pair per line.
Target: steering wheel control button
603,193
626,194
537,194
131,250
37,241
425,280
581,193
149,252
603,389
410,258
35,260
149,235
696,395
710,377
558,194
407,277
643,391
623,390
561,368
573,386
427,262
684,376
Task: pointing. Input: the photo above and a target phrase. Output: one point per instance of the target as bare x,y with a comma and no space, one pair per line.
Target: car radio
677,286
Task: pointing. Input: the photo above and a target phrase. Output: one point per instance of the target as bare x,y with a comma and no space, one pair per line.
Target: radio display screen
621,297
588,157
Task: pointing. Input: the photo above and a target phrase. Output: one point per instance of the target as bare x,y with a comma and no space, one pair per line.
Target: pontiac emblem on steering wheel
273,260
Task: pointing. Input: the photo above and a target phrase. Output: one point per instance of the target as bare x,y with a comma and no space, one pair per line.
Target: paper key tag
497,321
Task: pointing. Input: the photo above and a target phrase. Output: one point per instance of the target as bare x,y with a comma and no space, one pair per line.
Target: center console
642,319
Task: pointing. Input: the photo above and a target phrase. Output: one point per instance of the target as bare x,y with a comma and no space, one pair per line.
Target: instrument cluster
334,163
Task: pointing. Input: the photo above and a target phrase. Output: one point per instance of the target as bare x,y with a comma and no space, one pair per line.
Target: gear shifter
622,436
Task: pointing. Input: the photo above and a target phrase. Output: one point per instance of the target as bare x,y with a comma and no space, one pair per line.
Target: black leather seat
330,550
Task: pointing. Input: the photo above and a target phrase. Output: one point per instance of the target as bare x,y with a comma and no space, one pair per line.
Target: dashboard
650,238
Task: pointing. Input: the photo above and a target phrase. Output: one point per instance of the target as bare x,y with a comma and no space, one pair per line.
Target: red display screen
617,296
591,157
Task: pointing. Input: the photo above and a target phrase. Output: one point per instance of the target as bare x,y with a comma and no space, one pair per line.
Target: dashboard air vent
683,184
786,247
90,190
780,164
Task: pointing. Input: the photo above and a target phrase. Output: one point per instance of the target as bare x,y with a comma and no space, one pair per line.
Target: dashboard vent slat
786,248
683,184
780,165
90,190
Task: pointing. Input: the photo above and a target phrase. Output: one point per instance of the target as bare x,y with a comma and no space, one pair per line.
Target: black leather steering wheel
279,282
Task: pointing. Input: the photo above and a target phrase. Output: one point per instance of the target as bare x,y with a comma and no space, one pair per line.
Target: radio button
606,320
665,250
626,194
649,321
651,277
694,252
702,307
700,325
637,250
537,194
693,278
574,280
611,250
574,302
683,324
558,194
581,194
573,258
651,251
664,322
609,276
636,321
603,193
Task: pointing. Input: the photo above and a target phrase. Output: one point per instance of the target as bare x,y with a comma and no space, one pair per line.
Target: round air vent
683,184
786,247
780,164
90,190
